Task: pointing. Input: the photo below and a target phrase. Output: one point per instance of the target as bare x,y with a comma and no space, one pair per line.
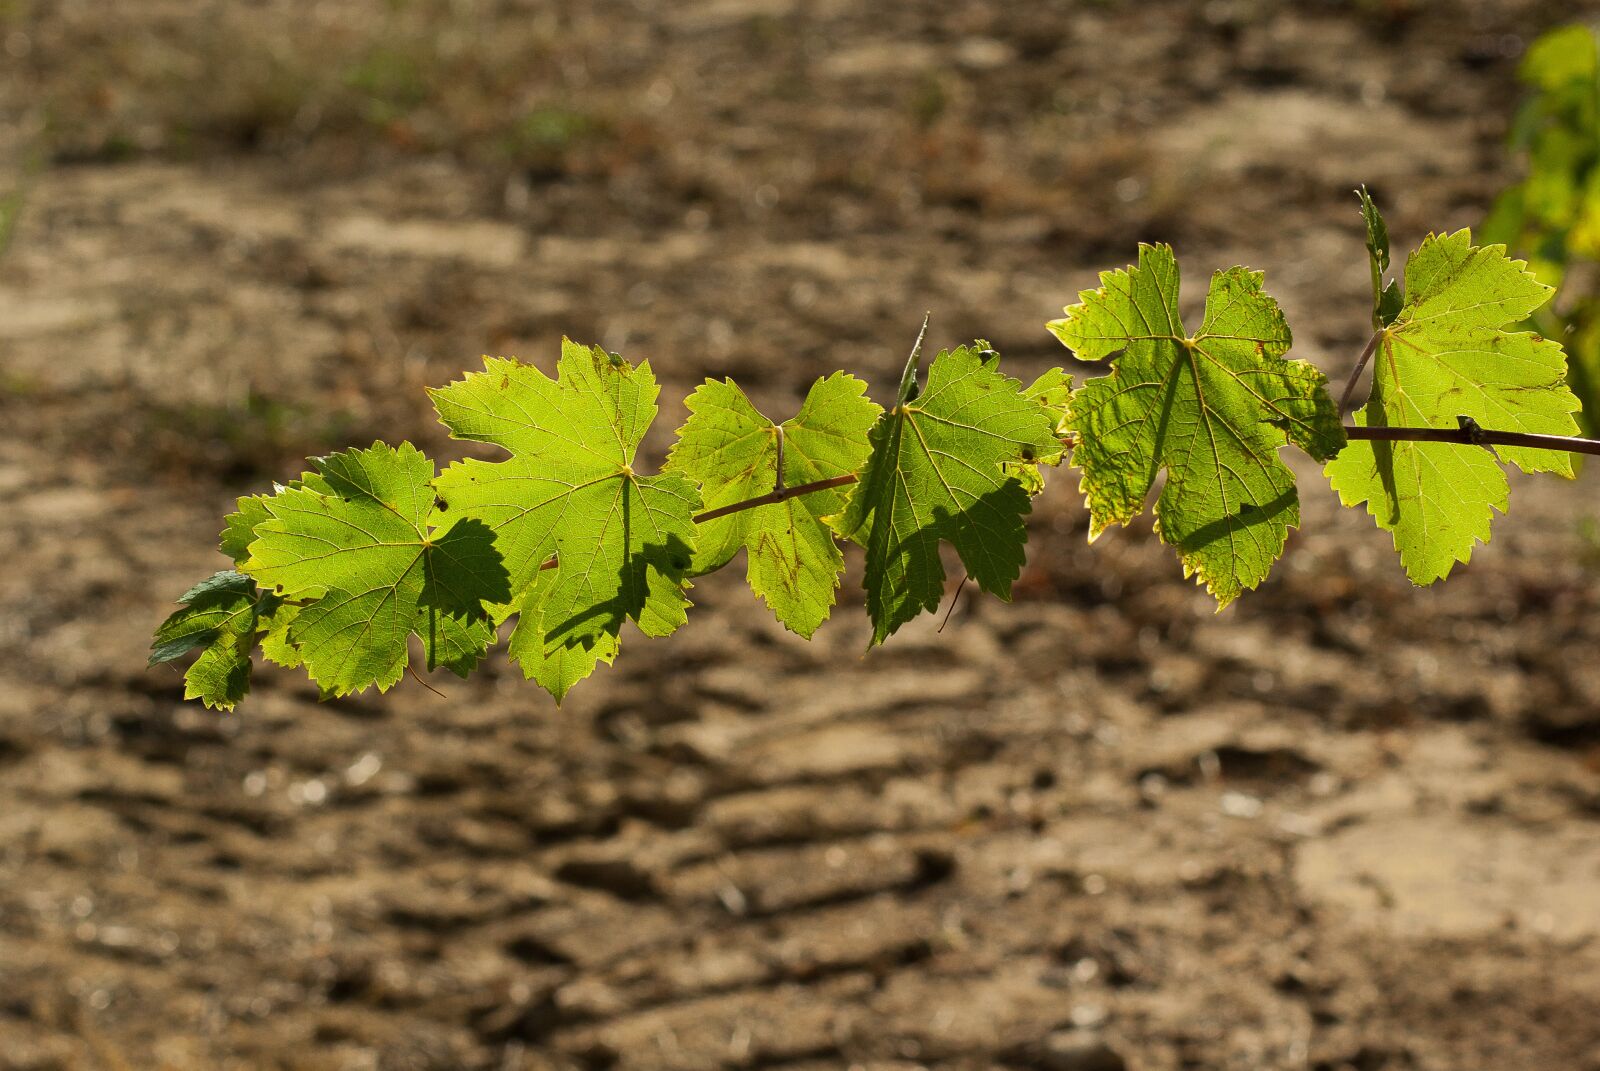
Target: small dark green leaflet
1386,296
222,617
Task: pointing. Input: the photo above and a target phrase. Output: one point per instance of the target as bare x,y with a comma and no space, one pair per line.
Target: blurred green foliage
392,81
10,210
346,79
253,437
1552,216
14,198
541,139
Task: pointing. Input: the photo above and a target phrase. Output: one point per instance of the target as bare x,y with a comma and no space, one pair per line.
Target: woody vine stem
1468,434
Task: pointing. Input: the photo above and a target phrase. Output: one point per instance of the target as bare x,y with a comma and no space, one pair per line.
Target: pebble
1079,1050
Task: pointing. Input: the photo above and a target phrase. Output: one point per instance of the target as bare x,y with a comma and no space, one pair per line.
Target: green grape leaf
733,453
378,571
276,647
938,472
240,530
1564,57
1212,410
1386,297
1553,215
622,542
1448,355
221,617
1053,391
555,668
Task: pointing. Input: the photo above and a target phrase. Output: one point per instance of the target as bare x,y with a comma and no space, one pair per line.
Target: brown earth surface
1346,825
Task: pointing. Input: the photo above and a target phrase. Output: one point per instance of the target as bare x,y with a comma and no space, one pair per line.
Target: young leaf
623,543
937,471
378,571
276,647
1448,355
734,452
239,529
221,616
1386,297
1213,409
1053,392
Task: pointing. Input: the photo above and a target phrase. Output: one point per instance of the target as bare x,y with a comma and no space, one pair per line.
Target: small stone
1240,805
984,53
1079,1050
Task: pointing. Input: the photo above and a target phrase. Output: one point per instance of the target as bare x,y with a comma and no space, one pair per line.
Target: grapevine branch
782,493
953,600
981,411
1470,434
412,673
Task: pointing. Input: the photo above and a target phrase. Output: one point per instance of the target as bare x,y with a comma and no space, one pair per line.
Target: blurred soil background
1346,825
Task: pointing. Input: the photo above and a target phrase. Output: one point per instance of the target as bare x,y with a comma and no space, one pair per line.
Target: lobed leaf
376,570
1447,355
221,617
1212,410
1053,392
621,543
733,452
938,471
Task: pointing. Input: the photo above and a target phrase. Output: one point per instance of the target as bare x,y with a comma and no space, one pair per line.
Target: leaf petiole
1355,373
